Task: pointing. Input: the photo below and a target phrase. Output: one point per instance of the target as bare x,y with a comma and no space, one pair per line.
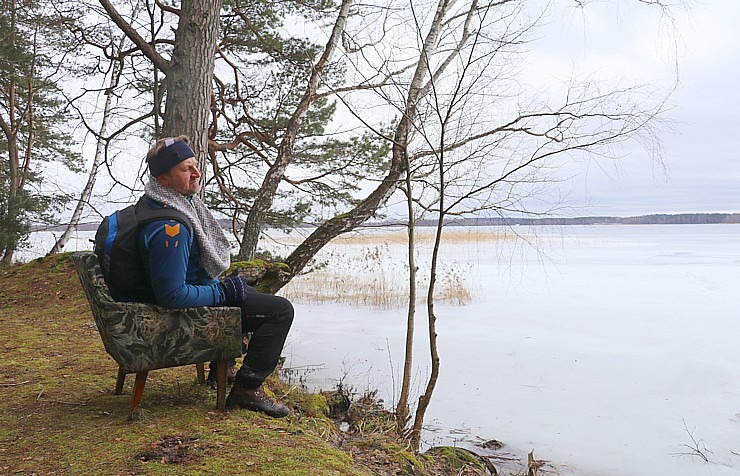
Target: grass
58,414
361,270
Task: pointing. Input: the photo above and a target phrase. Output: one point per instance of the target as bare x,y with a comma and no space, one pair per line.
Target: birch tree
472,140
98,158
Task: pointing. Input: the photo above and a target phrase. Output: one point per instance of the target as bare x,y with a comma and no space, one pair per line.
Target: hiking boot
230,374
255,399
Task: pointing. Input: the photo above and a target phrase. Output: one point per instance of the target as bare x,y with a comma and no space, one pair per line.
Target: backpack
117,248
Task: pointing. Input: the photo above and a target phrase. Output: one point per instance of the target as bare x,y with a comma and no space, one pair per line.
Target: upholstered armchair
142,337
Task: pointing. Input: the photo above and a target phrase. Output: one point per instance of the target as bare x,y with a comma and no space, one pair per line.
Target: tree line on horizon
653,219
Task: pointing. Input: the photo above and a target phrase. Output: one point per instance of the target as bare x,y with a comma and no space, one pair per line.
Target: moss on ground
58,414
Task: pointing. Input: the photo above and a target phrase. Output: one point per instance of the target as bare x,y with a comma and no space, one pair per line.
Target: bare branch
145,47
167,8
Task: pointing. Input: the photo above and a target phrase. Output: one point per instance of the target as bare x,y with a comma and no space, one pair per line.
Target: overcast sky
631,40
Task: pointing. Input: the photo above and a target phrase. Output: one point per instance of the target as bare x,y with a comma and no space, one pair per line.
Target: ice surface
601,350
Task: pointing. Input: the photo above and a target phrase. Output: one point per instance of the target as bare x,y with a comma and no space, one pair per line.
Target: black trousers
268,318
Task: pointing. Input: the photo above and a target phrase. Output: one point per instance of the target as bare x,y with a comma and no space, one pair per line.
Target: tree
34,58
189,70
455,123
265,195
465,148
265,113
74,221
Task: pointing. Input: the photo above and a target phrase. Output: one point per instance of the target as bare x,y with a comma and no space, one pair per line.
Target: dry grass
371,269
425,236
365,279
398,235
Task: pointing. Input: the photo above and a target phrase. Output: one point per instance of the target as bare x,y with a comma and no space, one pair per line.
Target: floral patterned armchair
142,337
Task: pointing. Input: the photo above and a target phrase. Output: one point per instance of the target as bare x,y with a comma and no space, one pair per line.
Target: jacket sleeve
168,244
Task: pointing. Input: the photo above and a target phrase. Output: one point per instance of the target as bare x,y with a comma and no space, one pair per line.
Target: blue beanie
172,154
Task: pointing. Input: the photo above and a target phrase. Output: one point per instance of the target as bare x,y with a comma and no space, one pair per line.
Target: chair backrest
142,336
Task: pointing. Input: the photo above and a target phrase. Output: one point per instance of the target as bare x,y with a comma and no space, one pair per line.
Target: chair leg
119,381
201,373
138,390
221,370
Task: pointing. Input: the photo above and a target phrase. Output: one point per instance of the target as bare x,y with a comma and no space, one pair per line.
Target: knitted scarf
214,247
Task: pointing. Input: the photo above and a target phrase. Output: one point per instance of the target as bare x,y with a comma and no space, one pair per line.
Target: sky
695,51
692,51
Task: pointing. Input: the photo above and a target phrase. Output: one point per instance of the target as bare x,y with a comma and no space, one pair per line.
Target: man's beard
194,189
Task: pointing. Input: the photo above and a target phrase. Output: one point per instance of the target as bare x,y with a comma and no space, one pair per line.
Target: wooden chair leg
221,370
138,390
201,373
119,381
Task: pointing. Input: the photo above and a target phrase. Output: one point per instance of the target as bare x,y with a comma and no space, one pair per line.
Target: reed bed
370,269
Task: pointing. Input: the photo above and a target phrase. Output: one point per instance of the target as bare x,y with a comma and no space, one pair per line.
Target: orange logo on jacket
172,230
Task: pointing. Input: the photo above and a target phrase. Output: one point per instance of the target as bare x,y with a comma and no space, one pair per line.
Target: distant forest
658,219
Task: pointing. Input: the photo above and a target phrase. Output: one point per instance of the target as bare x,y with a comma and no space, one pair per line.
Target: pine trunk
190,75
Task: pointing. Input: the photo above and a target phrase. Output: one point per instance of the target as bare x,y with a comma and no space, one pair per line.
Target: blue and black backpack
117,247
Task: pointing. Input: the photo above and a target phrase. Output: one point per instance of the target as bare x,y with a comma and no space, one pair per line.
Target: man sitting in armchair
183,267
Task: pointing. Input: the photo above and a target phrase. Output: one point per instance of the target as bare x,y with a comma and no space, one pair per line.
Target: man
183,271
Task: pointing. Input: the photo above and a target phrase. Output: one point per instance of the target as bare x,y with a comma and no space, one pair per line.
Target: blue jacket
171,257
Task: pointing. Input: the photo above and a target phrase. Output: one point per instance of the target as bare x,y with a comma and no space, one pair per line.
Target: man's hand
235,289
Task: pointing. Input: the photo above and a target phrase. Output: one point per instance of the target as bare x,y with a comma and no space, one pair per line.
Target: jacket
171,257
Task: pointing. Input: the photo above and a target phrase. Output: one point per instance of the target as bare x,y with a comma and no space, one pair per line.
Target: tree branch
147,49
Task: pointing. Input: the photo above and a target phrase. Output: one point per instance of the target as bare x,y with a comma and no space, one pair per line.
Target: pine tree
33,62
270,161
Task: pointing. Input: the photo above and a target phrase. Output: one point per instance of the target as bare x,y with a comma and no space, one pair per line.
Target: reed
370,270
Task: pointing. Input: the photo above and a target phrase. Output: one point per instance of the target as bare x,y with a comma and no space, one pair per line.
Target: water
39,243
608,350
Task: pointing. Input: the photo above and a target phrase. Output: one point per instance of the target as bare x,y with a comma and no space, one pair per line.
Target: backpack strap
146,214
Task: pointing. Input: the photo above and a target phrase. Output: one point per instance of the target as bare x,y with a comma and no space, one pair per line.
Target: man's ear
164,180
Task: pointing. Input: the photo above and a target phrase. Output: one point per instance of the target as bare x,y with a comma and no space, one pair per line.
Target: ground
58,414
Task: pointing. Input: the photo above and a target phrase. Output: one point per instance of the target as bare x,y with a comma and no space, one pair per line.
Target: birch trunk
265,196
97,160
402,407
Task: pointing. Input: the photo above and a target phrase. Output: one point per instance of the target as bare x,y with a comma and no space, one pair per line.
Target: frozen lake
604,352
608,350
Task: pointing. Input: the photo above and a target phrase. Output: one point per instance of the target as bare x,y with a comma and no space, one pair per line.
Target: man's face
183,177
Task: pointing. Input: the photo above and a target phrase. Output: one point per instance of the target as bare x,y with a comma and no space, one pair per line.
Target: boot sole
232,406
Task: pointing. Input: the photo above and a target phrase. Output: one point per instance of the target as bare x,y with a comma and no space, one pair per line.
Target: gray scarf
214,247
